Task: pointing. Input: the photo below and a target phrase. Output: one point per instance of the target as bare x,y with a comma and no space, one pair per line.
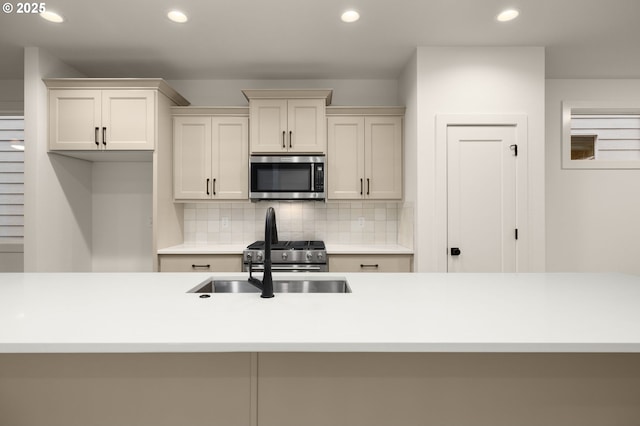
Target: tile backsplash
335,222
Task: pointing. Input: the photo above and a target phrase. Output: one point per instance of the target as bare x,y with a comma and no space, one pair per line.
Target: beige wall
122,237
11,96
408,93
352,92
592,215
57,189
470,80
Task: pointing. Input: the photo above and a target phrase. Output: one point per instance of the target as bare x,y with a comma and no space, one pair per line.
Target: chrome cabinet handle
208,186
361,186
284,136
104,136
368,186
96,137
214,186
290,138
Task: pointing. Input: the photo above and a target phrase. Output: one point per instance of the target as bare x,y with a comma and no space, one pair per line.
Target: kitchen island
447,349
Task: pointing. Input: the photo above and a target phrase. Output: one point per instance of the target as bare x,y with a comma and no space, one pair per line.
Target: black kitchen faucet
270,237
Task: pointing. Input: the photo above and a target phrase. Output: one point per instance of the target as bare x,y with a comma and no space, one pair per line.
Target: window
600,135
11,178
583,147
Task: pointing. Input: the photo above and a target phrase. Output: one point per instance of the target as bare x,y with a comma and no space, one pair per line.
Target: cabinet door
306,126
345,157
192,158
383,158
268,125
128,119
230,158
74,119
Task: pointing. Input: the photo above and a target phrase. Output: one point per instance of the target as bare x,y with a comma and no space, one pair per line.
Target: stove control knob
320,256
249,256
284,256
309,255
259,256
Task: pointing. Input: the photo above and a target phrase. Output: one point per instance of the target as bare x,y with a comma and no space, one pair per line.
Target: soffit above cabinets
210,110
289,94
366,110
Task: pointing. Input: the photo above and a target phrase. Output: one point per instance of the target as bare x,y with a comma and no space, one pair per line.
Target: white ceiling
289,39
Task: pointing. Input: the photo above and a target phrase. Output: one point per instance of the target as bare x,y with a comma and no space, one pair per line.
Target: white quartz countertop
331,249
152,312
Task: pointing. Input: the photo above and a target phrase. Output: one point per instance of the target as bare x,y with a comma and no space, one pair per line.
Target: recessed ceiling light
177,16
350,16
507,15
52,16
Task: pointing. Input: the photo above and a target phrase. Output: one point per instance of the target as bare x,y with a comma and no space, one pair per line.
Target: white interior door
481,185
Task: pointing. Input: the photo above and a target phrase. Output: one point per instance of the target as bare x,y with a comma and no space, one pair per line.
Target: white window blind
11,178
616,136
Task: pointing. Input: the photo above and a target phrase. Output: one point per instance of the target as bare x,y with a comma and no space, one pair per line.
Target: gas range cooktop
289,245
290,256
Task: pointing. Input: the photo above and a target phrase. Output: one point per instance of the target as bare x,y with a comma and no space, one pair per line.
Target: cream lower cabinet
364,157
211,158
370,262
91,119
200,262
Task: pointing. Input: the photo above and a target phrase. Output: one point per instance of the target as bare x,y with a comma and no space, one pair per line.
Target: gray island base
401,349
320,389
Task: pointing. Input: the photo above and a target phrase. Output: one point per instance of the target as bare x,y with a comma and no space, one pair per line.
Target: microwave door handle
313,177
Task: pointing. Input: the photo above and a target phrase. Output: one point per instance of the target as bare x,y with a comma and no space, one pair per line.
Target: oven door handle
289,268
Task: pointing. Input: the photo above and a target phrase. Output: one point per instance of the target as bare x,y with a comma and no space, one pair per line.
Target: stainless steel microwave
291,177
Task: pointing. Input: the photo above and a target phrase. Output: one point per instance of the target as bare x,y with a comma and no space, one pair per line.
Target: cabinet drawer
201,263
370,263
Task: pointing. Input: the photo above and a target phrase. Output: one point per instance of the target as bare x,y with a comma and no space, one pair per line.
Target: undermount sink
279,286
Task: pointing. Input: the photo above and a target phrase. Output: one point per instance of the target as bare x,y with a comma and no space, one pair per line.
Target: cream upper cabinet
345,152
287,126
191,158
307,126
288,121
383,157
268,125
89,119
364,157
211,158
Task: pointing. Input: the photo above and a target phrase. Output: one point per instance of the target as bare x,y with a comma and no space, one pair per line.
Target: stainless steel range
288,256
